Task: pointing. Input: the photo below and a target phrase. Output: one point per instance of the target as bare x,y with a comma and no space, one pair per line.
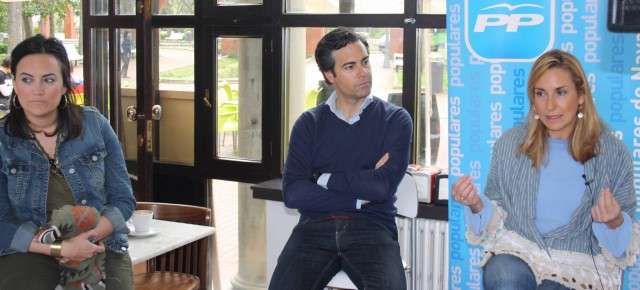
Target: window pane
100,81
432,141
125,7
239,98
174,74
177,37
173,7
304,85
239,2
127,94
127,51
345,6
432,6
99,7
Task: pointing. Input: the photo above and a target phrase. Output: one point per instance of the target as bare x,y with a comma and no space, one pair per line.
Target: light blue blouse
561,189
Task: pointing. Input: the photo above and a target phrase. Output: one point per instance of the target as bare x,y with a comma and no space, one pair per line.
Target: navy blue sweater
321,142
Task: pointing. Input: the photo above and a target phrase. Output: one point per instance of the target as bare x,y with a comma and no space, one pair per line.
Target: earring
580,114
66,100
16,105
536,117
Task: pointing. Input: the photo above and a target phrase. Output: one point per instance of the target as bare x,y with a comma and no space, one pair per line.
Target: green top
58,193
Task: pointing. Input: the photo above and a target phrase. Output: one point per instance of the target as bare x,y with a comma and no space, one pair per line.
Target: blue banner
491,47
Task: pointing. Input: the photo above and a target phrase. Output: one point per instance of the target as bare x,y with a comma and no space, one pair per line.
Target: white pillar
251,213
251,273
252,259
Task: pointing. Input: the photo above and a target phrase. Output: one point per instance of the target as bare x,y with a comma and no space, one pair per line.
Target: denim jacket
93,165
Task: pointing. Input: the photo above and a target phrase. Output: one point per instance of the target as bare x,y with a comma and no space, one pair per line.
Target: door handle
206,99
156,112
132,113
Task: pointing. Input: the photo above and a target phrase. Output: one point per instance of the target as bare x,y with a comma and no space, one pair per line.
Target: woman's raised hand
607,210
464,192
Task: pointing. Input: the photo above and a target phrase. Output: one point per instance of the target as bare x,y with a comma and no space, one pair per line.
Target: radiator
432,246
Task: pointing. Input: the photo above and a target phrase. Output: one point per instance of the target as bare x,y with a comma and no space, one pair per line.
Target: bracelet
55,249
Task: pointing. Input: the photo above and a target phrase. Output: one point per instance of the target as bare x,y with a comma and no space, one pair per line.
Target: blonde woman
558,208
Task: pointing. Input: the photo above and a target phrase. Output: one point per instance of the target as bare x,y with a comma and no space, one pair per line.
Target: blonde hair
584,140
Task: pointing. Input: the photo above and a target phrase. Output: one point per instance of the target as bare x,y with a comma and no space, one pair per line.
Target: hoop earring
16,105
580,114
66,101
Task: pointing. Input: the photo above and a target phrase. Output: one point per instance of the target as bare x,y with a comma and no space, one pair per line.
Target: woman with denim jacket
54,153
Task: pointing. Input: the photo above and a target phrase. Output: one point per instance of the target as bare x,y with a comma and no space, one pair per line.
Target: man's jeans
318,249
507,272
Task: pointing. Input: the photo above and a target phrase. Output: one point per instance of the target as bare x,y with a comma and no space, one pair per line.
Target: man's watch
314,177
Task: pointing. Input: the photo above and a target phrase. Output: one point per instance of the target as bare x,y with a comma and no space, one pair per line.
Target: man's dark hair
334,40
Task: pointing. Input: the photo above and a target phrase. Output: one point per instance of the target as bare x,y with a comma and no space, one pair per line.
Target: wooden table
170,236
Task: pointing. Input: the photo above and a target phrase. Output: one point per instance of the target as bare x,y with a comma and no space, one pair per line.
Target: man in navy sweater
346,158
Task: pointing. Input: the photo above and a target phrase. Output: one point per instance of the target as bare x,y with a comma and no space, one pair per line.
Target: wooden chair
185,267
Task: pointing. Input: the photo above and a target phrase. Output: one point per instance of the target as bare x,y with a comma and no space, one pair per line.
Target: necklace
54,164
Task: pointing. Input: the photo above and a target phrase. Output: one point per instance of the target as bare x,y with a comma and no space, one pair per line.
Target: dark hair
68,111
334,40
6,61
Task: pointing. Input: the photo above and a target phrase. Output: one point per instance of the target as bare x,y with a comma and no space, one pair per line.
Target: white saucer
151,232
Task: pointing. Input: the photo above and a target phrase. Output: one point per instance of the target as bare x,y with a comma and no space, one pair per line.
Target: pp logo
517,31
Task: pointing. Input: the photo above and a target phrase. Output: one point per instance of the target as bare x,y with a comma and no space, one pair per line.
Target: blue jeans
507,272
318,249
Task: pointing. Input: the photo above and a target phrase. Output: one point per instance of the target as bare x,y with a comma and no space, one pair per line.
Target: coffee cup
142,220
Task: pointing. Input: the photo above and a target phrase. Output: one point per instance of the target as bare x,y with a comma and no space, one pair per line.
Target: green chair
228,122
311,98
231,93
227,114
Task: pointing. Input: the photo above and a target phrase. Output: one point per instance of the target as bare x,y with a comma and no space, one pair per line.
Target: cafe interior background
213,88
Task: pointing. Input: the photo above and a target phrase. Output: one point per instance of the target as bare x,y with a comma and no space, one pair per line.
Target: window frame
268,21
